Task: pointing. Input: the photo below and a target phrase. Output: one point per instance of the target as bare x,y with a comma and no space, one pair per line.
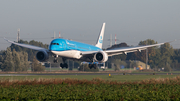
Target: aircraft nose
51,48
54,47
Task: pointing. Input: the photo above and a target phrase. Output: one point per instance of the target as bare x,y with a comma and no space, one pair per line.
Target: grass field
95,89
121,78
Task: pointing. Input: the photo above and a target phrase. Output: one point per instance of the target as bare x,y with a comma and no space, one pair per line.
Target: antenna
18,37
115,39
110,40
59,35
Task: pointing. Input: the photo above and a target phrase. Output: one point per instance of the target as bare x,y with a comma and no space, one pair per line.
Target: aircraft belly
70,53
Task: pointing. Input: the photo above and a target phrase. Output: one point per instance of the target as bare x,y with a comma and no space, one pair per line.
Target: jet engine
42,56
101,57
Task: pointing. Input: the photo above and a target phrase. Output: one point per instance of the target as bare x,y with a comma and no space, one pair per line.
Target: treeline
14,61
158,57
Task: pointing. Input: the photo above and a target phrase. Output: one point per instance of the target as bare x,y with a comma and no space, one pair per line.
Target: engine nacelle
42,56
101,57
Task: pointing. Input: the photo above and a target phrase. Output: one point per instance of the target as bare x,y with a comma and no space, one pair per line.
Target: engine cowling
42,56
101,57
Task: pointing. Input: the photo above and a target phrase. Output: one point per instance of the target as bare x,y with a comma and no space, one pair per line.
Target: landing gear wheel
63,65
94,66
66,65
90,66
55,61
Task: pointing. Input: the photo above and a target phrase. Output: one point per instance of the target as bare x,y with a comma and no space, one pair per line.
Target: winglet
171,41
5,39
101,36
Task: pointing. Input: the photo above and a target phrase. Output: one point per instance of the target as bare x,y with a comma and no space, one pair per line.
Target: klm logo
100,39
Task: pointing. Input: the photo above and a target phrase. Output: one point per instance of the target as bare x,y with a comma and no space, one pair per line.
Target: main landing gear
92,66
64,65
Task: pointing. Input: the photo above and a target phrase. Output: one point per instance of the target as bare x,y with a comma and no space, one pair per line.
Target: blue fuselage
65,45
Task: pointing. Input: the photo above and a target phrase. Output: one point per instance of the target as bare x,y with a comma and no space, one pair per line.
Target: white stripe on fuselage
68,53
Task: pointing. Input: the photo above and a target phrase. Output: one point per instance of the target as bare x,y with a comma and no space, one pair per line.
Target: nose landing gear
55,59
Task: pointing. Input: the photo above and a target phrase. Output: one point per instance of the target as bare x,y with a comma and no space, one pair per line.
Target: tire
55,61
65,65
61,65
90,66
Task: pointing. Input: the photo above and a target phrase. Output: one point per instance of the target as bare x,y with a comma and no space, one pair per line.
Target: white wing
27,46
126,50
123,50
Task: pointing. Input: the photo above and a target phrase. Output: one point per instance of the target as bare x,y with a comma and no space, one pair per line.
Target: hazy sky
81,20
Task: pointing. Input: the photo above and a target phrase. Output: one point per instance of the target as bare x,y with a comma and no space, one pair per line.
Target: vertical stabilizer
101,36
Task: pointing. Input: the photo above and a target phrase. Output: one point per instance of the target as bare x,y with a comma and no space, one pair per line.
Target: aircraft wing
126,50
123,50
27,46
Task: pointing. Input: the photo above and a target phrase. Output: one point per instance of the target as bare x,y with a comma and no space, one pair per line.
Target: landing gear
92,66
64,65
55,59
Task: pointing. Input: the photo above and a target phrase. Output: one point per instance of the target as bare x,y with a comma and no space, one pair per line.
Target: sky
80,20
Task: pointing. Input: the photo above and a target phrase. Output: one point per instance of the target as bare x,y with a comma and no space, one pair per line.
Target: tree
166,53
153,53
176,59
167,68
118,63
24,61
20,60
1,58
8,64
16,60
36,67
177,55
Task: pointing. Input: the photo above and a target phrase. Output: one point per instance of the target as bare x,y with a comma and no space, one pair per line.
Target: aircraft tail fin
101,36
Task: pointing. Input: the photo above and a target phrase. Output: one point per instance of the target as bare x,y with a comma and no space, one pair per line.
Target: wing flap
117,53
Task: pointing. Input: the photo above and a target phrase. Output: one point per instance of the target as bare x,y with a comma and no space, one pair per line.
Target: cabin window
54,43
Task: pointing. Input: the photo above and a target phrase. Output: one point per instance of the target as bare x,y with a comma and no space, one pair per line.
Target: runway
36,74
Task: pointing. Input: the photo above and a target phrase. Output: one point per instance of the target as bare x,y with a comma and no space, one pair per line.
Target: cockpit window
54,43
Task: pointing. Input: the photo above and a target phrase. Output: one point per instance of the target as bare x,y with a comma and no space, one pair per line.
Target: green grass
121,78
96,89
156,72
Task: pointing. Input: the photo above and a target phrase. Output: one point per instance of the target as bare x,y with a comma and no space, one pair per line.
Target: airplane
67,49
